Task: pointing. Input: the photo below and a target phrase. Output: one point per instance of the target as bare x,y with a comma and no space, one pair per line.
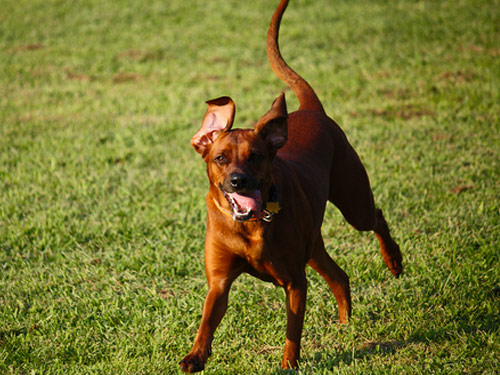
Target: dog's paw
192,363
395,263
396,269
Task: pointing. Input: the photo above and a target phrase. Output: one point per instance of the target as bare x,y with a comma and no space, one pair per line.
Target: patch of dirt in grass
480,49
439,136
381,346
207,77
267,349
139,55
124,77
38,117
457,77
461,188
405,112
131,54
78,76
165,294
218,59
28,47
394,93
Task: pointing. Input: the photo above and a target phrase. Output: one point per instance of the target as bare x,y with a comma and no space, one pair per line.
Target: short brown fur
305,157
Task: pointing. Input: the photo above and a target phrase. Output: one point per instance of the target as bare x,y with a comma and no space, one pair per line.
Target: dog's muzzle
244,205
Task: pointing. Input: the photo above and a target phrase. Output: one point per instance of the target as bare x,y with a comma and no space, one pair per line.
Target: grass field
101,196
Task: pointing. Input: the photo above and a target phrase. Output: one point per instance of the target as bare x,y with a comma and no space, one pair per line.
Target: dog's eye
221,159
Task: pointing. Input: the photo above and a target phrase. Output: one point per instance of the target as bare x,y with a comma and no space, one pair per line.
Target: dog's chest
261,261
249,244
256,245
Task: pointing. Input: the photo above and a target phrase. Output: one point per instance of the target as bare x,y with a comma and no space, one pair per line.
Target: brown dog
268,189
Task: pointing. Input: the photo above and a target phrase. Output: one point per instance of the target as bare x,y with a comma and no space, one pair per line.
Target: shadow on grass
9,333
488,324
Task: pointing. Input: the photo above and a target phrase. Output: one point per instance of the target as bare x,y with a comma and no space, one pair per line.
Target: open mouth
245,206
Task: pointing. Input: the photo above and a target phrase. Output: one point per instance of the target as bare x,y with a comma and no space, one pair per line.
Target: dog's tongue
249,202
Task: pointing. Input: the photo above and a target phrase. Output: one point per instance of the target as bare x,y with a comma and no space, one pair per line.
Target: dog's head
239,161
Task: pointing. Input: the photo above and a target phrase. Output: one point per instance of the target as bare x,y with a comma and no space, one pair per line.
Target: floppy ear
219,117
273,126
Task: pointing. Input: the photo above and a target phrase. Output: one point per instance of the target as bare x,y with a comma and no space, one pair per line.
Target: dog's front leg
213,310
296,292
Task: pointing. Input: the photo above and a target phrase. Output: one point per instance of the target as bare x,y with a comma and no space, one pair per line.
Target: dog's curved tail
307,97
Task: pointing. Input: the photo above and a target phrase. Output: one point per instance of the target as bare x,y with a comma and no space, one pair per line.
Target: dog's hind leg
388,248
350,191
374,220
336,278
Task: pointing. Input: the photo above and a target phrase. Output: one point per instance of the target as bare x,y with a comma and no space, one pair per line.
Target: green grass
101,196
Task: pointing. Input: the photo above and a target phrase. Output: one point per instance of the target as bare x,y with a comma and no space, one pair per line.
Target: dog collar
271,207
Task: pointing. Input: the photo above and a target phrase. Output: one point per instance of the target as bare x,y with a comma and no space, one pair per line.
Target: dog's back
317,146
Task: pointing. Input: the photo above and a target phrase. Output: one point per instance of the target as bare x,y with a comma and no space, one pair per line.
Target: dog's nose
239,181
